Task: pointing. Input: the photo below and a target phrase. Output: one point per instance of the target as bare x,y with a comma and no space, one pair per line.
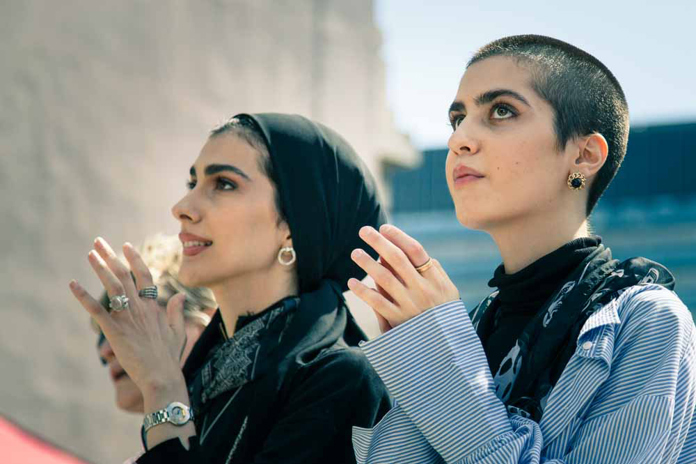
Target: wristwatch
175,413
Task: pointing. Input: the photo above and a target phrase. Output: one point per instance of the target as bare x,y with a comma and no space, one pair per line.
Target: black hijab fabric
327,194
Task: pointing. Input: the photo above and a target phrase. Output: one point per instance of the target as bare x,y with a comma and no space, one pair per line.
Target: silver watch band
175,413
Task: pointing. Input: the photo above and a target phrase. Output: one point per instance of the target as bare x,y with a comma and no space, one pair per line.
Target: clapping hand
408,281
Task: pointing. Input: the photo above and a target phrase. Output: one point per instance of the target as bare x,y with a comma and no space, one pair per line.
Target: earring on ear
576,181
287,250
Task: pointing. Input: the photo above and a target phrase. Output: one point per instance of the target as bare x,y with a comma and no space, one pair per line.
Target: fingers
390,253
93,307
116,266
143,277
382,276
381,306
175,319
384,324
112,285
410,246
175,312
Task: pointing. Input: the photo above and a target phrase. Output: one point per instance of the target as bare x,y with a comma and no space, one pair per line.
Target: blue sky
649,46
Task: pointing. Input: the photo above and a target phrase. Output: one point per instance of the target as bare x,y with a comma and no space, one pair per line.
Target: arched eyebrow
213,169
487,97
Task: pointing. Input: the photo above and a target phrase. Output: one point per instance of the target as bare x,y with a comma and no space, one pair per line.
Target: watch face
178,415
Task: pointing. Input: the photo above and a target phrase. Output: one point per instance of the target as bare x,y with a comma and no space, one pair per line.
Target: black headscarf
327,195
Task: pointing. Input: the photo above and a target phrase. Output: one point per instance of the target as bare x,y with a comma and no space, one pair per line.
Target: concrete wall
103,107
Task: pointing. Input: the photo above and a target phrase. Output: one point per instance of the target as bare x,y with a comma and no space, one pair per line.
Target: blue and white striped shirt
627,395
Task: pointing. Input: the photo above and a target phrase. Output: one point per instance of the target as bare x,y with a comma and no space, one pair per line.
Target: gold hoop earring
293,256
576,181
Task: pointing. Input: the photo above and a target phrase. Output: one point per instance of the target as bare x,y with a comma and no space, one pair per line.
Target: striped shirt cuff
436,368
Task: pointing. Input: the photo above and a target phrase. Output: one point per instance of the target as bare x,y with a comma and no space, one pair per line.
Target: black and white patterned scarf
526,375
234,363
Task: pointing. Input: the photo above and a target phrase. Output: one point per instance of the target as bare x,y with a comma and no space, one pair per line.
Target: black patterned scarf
525,377
234,362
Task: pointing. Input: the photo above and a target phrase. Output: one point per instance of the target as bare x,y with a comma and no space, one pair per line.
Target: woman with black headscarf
273,211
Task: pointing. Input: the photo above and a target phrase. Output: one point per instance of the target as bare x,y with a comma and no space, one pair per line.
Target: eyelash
220,184
510,109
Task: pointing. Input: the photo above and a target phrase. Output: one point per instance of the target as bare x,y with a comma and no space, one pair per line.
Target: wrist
158,393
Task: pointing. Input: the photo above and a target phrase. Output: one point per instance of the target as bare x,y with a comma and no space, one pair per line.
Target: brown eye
225,184
502,112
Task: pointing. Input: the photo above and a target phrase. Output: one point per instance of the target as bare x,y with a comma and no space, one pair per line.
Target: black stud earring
576,181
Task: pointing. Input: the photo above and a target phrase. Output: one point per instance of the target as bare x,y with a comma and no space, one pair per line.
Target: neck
250,294
525,241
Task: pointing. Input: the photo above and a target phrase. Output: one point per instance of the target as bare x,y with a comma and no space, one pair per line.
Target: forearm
157,396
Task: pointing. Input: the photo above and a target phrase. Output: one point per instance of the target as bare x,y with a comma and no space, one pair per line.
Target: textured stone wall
103,107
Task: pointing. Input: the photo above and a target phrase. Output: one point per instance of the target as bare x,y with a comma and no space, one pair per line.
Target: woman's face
128,395
503,163
229,222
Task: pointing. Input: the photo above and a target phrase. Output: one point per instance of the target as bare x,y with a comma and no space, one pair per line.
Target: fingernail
366,230
351,282
386,228
357,253
128,245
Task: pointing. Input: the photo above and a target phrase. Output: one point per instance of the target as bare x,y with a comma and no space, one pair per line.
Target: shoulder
653,302
343,371
339,363
340,380
655,310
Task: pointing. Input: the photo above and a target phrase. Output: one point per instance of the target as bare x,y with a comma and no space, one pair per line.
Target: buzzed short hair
585,96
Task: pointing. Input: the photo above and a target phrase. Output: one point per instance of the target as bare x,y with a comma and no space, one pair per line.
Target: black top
302,412
522,294
286,388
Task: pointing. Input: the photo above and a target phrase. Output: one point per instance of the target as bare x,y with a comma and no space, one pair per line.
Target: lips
117,374
194,244
464,175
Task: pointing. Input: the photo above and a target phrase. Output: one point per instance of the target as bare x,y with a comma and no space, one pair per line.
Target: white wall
103,107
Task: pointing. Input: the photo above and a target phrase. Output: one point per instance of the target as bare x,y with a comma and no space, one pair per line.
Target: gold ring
428,264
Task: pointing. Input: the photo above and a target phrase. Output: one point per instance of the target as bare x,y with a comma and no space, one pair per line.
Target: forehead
498,72
228,149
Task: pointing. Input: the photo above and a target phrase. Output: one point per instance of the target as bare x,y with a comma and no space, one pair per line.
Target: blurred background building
103,108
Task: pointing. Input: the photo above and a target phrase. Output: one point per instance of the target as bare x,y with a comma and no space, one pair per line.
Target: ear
591,156
284,234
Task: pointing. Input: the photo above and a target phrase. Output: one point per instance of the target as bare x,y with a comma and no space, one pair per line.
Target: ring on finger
118,303
424,267
148,292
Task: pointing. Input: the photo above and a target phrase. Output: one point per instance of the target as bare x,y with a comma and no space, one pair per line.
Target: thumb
175,313
384,325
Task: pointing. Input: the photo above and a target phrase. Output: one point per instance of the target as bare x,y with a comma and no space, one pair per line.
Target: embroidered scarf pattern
532,367
233,364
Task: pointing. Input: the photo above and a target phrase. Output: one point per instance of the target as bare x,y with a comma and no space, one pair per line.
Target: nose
106,354
463,141
185,210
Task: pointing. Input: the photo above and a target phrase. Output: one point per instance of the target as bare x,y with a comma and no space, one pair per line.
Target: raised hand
146,340
408,281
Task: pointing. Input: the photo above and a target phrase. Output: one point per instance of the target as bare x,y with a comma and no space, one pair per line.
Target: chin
190,277
471,220
128,397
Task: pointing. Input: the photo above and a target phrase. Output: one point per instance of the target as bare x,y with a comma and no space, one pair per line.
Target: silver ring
148,292
118,303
